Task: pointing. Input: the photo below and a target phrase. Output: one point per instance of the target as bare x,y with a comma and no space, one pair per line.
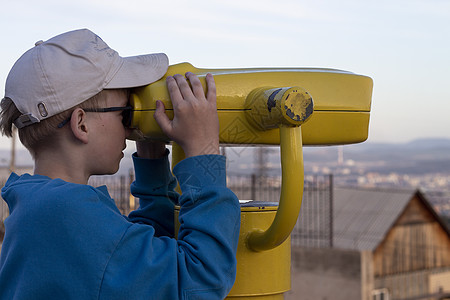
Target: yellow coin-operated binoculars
290,107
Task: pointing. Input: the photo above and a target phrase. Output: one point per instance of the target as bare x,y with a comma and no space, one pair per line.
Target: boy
67,240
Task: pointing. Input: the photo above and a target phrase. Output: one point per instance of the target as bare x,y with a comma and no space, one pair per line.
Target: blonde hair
44,132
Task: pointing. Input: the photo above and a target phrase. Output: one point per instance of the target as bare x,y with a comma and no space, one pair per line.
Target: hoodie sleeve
201,264
154,186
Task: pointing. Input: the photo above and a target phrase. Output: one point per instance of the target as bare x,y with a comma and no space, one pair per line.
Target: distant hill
416,157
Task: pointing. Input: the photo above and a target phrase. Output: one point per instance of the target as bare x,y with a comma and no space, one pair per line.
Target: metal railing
313,228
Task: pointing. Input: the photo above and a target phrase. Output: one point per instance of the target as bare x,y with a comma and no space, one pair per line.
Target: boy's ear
79,126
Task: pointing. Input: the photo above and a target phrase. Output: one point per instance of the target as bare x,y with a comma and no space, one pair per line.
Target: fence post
253,187
132,200
123,198
330,178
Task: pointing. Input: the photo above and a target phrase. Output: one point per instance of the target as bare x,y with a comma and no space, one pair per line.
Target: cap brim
139,70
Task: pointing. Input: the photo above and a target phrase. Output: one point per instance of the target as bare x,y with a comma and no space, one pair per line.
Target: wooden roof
363,217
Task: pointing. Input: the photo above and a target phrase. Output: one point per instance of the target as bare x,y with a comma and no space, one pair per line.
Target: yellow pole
177,156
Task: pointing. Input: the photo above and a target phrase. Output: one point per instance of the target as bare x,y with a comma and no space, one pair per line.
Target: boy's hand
195,126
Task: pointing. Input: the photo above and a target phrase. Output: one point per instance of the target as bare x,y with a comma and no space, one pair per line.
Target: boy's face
109,134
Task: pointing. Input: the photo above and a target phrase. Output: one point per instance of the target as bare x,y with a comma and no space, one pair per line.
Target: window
380,294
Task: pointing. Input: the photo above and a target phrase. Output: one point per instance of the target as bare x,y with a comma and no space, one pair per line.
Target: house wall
325,274
415,242
415,284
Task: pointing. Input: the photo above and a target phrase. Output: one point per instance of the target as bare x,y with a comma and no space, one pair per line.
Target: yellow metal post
177,156
264,251
263,274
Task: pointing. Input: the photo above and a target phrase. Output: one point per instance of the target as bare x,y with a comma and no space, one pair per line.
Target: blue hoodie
69,241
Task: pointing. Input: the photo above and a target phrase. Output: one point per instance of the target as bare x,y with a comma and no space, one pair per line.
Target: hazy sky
404,46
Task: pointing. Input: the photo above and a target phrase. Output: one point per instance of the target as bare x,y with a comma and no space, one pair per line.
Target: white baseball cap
70,68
